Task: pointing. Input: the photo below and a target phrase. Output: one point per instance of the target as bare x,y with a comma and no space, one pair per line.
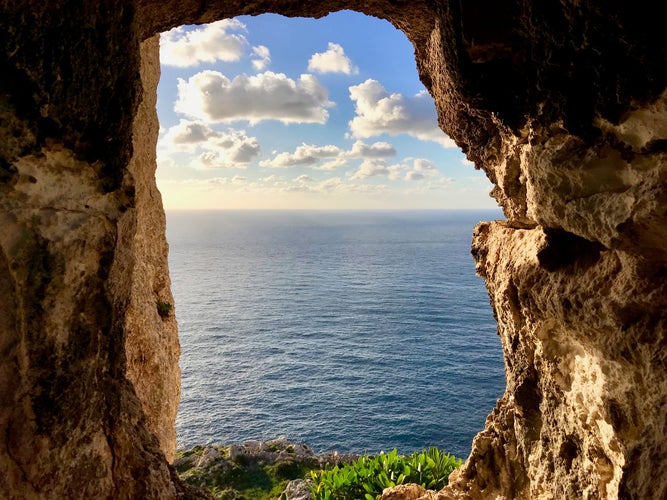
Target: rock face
562,104
151,341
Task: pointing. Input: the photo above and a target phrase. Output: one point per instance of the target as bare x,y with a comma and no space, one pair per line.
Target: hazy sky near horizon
271,112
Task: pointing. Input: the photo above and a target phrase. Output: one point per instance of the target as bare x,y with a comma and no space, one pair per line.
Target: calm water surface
353,331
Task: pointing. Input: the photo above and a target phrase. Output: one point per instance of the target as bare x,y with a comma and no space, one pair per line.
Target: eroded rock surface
562,104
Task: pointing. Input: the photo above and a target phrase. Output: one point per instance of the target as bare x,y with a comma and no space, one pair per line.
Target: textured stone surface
562,104
583,336
151,342
414,492
404,492
82,264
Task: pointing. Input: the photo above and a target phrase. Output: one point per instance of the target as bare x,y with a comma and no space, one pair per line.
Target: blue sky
269,112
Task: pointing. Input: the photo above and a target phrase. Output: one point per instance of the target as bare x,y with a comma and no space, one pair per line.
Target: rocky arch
561,103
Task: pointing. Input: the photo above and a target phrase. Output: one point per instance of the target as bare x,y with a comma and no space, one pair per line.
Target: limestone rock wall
561,103
576,275
82,261
151,341
583,337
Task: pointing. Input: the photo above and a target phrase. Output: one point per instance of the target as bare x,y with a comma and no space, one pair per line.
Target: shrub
368,476
164,308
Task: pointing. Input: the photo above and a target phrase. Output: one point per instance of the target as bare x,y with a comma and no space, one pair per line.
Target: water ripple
357,332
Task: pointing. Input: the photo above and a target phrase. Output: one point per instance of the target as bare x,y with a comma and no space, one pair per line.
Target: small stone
255,447
235,451
301,450
298,489
208,457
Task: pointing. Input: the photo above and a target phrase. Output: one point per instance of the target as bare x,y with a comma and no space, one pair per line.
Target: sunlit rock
561,104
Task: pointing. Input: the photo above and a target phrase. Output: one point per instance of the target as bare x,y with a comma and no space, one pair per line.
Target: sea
348,331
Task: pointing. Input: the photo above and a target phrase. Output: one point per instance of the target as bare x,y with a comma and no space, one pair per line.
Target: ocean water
349,331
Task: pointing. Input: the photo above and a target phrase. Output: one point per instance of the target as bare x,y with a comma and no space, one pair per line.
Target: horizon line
487,209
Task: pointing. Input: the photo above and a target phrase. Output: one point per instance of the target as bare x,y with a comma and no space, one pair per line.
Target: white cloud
231,148
414,176
371,168
395,172
312,156
237,157
333,60
412,169
423,165
420,169
306,154
333,184
261,57
210,43
241,149
376,150
272,185
332,165
379,112
211,96
187,136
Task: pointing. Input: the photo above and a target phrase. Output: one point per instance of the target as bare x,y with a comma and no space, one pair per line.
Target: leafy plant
368,476
164,308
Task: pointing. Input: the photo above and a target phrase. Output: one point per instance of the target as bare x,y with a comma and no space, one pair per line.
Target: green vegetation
368,476
243,478
261,471
164,308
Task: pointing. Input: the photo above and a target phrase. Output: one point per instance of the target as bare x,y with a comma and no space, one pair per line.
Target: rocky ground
255,470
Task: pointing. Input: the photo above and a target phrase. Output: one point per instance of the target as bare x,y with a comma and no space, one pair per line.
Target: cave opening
324,287
563,105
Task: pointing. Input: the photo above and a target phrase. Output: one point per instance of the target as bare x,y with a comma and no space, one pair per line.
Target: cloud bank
231,148
212,97
306,154
412,169
312,156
